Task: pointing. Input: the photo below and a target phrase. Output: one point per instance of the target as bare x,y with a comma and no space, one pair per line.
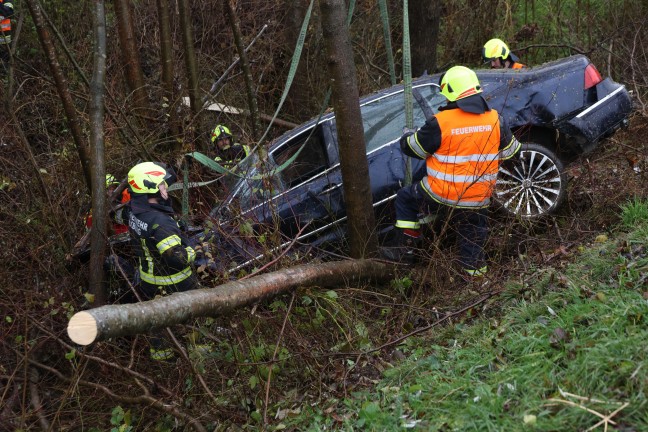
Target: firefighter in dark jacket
164,254
498,54
228,152
462,146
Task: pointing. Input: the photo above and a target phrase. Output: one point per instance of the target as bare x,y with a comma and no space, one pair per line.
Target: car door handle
329,188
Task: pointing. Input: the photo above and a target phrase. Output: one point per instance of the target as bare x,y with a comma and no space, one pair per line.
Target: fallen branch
121,320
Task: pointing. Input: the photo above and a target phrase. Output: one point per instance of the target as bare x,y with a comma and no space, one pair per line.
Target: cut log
120,320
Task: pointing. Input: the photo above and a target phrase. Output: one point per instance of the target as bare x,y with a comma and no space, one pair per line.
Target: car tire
532,184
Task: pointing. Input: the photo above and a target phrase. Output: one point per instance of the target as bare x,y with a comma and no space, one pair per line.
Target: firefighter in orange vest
462,146
500,56
6,12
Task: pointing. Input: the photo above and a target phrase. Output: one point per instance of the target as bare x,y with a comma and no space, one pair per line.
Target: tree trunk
424,21
353,156
166,60
130,56
99,220
190,65
299,100
121,320
62,88
247,75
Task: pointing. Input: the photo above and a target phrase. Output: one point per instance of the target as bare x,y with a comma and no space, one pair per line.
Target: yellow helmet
459,82
145,178
495,48
220,132
111,180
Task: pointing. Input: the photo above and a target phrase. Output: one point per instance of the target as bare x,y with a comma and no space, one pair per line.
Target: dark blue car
560,108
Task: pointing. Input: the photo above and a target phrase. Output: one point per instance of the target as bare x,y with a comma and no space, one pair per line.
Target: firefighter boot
404,247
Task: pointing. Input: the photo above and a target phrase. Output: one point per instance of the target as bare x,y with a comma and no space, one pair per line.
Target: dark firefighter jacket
232,155
164,254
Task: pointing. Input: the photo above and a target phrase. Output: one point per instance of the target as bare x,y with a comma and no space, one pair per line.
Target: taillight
592,76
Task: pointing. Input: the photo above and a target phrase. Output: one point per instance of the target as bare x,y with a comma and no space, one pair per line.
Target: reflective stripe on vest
415,146
168,243
511,149
165,280
463,171
407,224
191,254
161,280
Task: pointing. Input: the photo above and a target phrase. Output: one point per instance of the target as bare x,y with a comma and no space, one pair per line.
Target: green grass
578,344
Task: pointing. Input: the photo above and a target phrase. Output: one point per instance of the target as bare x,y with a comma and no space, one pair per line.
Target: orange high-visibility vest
462,172
5,28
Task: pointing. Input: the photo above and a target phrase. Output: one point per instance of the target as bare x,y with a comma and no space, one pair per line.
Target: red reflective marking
468,92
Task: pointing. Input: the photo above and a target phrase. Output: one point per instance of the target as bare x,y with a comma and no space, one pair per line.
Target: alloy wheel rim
529,186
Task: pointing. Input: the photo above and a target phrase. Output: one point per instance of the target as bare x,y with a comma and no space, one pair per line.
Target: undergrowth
572,358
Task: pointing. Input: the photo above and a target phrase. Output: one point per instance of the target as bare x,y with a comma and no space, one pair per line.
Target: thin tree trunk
130,56
424,21
353,156
245,66
128,319
190,63
99,220
63,91
299,98
166,60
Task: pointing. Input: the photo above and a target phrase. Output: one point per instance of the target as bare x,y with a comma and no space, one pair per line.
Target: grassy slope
571,351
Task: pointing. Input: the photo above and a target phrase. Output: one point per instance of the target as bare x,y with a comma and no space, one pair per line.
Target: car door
383,118
304,204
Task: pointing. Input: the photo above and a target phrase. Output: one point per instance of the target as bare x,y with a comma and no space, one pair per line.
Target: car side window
429,95
384,118
310,161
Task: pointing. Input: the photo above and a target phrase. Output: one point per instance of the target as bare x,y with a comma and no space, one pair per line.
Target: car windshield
250,186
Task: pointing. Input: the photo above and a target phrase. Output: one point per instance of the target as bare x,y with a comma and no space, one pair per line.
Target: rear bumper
602,118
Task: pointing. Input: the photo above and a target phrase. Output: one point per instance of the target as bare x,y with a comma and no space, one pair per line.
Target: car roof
526,75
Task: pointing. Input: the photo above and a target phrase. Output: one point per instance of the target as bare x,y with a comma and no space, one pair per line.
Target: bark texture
99,214
299,97
130,56
424,21
121,320
184,10
247,73
166,63
350,132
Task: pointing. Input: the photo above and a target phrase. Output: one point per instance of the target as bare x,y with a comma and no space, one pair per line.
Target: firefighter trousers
470,225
